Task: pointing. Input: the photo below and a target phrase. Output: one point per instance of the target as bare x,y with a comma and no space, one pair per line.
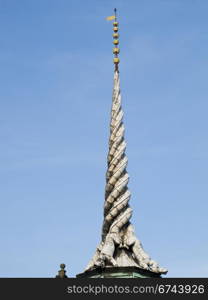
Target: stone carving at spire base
119,246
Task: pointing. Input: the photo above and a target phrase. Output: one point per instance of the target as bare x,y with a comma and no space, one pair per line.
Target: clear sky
56,76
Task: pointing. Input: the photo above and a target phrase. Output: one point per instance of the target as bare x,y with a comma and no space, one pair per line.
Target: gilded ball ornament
115,35
116,50
116,60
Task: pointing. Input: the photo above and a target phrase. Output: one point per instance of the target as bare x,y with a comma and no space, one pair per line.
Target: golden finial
116,50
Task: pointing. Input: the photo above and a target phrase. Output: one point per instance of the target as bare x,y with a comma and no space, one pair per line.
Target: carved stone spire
119,246
116,209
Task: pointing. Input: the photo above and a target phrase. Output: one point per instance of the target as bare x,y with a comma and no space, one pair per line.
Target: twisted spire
116,209
119,246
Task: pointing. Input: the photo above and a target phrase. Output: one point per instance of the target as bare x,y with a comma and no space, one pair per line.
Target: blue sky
56,77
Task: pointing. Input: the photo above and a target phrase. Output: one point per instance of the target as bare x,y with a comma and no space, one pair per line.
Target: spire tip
116,50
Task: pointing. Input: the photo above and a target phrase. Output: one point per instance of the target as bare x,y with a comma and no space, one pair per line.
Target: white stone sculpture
119,246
